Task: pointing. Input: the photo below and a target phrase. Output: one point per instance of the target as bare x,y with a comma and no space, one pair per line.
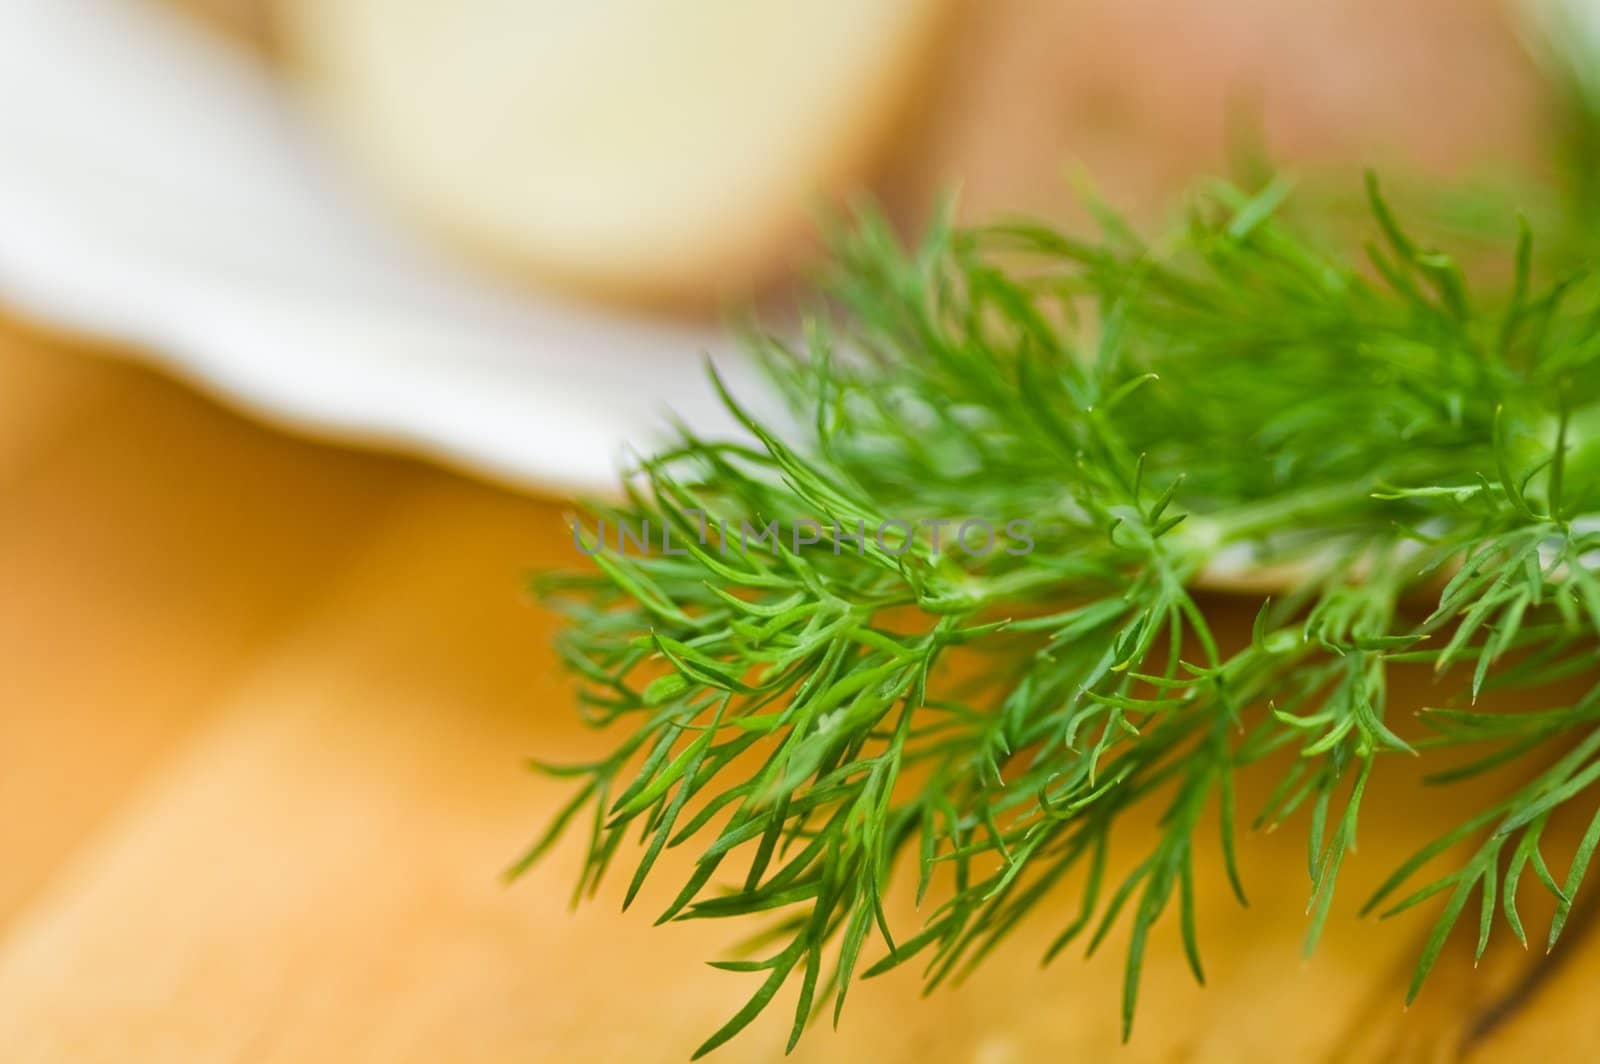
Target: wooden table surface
265,708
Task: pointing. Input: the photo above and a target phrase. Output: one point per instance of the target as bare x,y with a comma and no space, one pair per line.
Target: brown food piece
1140,95
244,22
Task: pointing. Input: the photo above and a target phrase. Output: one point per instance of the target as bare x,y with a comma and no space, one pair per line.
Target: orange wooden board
265,708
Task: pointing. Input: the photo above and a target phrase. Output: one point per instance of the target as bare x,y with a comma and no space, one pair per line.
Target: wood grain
149,542
266,707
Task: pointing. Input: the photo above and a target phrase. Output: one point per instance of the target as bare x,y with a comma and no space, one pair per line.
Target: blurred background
506,233
695,141
311,314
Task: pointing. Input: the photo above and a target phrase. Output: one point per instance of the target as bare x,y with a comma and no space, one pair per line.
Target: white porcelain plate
157,190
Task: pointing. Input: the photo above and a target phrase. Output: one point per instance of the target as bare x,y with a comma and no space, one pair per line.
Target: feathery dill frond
813,718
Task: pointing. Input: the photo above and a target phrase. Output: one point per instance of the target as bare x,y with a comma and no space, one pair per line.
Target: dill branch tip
814,716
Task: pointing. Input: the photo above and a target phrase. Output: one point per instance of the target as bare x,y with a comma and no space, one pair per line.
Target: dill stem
1254,520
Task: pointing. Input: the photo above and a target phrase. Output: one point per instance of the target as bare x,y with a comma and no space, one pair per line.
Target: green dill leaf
1411,439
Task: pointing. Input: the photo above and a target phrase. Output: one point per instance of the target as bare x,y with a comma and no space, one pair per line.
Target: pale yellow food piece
658,148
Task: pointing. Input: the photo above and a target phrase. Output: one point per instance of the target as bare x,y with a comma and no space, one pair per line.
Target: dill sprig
1422,452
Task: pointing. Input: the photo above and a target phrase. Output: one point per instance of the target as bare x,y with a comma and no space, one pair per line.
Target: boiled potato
665,149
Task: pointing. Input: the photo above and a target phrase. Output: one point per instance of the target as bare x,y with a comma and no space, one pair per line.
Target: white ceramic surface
156,189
